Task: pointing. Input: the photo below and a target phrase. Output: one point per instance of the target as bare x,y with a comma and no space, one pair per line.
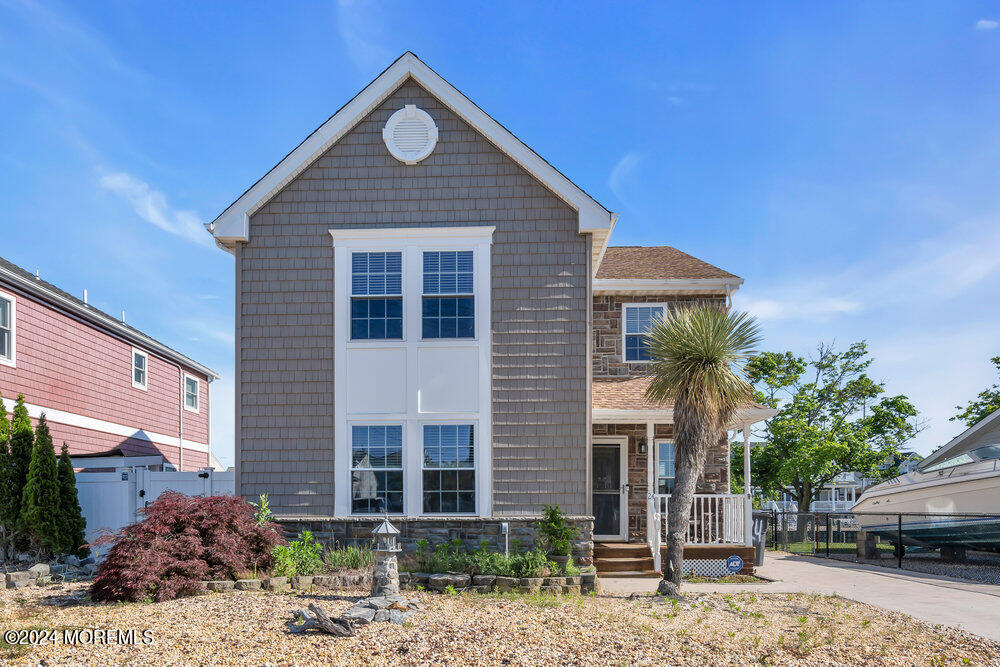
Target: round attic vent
410,134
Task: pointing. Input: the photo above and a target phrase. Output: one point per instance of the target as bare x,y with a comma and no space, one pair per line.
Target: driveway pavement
971,606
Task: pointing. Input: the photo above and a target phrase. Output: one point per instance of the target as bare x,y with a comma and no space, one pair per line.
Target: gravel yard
979,566
741,628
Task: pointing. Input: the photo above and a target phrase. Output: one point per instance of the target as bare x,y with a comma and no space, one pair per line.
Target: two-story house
110,392
430,324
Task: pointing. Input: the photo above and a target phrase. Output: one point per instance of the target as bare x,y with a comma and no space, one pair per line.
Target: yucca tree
697,356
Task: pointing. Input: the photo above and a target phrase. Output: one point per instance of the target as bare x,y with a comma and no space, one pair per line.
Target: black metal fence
909,540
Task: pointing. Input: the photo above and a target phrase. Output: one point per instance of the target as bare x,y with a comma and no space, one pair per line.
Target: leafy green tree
832,418
72,525
40,502
697,356
22,438
985,404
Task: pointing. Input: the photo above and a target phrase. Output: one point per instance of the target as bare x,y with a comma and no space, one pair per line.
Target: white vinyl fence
110,500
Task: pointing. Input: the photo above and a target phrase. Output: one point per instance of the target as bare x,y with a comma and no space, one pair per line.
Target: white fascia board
645,286
343,236
954,446
233,224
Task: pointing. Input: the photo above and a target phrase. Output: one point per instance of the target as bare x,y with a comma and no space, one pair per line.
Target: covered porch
632,471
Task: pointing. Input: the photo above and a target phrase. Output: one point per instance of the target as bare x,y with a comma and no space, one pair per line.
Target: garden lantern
385,575
385,535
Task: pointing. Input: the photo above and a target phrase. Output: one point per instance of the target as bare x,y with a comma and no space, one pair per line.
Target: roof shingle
655,263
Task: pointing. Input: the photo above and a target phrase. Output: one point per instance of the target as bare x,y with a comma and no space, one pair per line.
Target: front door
610,490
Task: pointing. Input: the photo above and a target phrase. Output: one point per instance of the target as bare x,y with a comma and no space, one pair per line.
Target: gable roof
232,225
655,263
47,292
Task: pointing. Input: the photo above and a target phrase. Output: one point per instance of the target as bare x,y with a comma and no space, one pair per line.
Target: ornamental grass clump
181,542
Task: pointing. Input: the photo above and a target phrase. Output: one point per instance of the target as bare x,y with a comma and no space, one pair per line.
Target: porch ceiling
623,400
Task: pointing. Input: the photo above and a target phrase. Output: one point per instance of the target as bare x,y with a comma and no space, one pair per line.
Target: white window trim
473,294
413,240
403,465
12,361
196,409
374,342
476,468
140,385
625,307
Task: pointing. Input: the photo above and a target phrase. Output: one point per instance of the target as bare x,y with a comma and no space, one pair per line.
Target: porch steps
620,559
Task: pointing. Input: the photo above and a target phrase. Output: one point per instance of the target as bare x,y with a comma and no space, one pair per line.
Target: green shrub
452,557
40,513
558,532
262,510
571,570
300,557
72,524
349,558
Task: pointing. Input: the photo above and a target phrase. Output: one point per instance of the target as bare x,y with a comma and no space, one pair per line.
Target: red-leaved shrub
181,542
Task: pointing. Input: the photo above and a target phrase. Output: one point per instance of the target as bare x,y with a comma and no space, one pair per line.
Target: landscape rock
571,590
302,581
275,584
442,581
553,590
574,581
71,560
359,615
554,581
377,602
419,577
38,569
479,589
484,580
220,586
530,584
396,616
19,576
323,580
381,616
20,583
505,584
47,579
247,584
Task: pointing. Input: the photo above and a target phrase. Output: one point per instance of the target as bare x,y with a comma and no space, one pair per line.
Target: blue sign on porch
734,563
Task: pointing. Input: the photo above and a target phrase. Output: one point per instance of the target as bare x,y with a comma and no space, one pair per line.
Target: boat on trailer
951,500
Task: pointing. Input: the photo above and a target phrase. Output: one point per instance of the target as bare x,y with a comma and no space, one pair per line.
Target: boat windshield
987,453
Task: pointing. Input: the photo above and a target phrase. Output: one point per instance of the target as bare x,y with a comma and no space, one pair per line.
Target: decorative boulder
440,582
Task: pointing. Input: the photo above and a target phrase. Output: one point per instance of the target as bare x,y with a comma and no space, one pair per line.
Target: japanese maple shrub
181,542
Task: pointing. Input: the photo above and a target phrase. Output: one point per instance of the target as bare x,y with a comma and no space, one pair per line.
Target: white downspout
180,416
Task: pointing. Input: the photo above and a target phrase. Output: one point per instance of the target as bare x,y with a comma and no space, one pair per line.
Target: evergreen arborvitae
40,501
72,524
6,527
21,440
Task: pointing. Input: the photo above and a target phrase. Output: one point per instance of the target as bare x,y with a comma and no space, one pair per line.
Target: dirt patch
714,629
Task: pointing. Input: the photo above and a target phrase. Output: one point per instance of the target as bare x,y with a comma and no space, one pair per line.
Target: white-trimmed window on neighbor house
7,329
140,369
637,320
449,469
449,301
665,461
377,469
376,295
192,392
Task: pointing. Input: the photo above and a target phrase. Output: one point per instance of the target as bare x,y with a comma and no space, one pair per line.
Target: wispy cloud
622,173
935,268
151,205
360,28
986,24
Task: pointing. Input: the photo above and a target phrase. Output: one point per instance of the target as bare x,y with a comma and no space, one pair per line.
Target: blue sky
842,157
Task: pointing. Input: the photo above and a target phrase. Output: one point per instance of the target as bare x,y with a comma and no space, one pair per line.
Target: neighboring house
107,389
430,323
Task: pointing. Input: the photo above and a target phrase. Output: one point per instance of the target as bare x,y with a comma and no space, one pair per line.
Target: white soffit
665,285
233,224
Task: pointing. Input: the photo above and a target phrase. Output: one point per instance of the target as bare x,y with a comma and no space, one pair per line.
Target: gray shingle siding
539,302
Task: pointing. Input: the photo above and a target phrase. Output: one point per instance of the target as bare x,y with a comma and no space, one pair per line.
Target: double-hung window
6,330
140,369
665,467
377,469
376,296
449,301
191,393
449,479
638,320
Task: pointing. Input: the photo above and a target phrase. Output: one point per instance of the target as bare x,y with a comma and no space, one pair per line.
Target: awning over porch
624,400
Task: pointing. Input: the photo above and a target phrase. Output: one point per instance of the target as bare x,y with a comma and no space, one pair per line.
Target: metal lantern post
385,577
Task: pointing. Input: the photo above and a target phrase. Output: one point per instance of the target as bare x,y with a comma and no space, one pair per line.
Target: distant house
430,323
107,389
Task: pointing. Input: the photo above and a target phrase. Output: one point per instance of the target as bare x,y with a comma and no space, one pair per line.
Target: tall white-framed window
377,469
140,369
192,393
449,469
666,456
637,320
8,329
376,295
449,295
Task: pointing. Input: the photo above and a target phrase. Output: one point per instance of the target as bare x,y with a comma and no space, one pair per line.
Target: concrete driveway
958,603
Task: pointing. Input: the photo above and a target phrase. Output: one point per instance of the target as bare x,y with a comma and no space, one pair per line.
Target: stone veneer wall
607,349
470,530
714,479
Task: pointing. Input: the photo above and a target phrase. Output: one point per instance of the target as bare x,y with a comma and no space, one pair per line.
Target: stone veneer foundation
470,530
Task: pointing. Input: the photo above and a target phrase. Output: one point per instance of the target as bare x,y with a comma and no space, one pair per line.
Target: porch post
748,497
652,507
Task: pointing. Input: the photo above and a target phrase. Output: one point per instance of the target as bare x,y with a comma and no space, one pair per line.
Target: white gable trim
233,224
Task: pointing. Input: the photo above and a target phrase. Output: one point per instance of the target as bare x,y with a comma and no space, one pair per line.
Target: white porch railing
715,519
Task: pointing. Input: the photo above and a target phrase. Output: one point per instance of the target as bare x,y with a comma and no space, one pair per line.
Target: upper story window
140,369
377,469
191,393
7,342
665,459
638,319
449,302
449,476
376,296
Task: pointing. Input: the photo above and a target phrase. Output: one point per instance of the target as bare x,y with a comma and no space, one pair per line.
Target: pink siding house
105,387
